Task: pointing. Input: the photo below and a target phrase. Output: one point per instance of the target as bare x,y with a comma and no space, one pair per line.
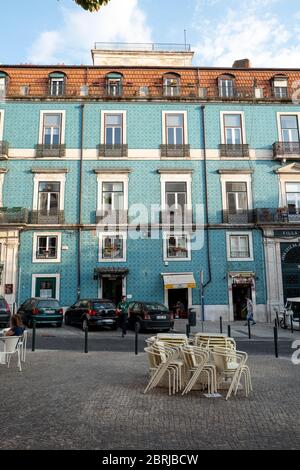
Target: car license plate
161,317
108,321
49,311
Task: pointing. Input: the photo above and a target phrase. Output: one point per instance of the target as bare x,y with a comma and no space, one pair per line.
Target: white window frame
63,124
36,276
279,114
46,177
239,234
179,178
166,236
124,122
36,235
164,127
2,113
222,125
236,178
61,80
112,178
113,234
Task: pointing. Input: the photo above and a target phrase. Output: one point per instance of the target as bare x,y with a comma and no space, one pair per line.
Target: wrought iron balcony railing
239,254
4,147
113,151
50,151
14,215
171,91
46,254
175,151
281,215
176,218
113,217
240,216
234,150
286,150
47,217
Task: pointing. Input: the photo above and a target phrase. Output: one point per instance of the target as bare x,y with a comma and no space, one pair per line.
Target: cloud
253,31
120,21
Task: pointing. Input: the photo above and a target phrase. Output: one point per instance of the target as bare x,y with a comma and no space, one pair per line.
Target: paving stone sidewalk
70,400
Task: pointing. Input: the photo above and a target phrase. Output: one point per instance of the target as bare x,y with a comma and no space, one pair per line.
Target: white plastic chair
12,346
23,345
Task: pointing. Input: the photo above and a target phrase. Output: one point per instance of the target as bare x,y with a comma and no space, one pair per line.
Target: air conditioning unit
144,91
84,90
24,90
259,93
202,92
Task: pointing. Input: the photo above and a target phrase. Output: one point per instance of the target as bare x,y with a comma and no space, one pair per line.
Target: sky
220,32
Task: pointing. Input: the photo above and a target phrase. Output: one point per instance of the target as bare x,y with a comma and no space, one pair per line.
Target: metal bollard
86,339
229,331
249,329
221,325
137,329
33,335
187,327
284,320
292,324
276,341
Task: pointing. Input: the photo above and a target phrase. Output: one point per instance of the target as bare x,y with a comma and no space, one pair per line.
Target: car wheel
85,324
29,323
67,320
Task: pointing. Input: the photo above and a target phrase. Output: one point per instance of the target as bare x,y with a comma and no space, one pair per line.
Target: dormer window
226,84
57,82
171,84
280,86
3,84
114,84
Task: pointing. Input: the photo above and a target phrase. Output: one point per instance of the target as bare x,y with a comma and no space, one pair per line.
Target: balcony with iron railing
14,215
240,216
113,150
286,150
239,254
46,254
234,150
281,215
175,151
4,148
176,217
111,217
50,151
51,217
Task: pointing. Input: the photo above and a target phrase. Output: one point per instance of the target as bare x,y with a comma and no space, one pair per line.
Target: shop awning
179,281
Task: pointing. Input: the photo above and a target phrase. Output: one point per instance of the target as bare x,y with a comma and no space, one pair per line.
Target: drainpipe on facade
80,202
206,200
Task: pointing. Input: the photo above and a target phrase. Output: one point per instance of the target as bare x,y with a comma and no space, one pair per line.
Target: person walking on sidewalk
249,311
123,307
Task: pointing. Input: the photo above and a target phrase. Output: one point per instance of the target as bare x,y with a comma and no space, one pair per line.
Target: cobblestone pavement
65,399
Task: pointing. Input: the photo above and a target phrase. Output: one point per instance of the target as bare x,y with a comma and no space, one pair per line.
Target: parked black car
5,313
42,311
92,312
150,316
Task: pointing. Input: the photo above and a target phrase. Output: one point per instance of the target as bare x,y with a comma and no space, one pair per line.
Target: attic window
3,84
226,84
280,86
171,84
114,82
57,82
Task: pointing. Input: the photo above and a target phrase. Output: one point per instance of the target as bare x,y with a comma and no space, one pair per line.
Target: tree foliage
92,5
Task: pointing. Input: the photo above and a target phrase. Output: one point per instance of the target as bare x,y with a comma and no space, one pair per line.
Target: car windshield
48,304
101,306
154,307
295,306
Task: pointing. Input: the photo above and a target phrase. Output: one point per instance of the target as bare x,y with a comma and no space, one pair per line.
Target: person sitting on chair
16,328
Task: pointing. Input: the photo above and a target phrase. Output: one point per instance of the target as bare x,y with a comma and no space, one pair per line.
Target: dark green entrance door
290,263
45,287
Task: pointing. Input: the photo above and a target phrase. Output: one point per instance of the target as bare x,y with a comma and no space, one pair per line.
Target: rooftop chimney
242,64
